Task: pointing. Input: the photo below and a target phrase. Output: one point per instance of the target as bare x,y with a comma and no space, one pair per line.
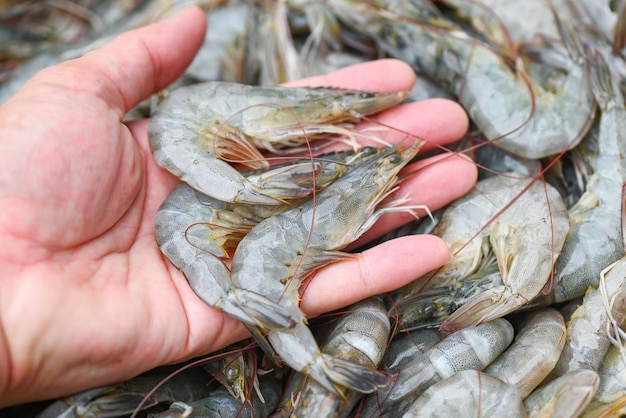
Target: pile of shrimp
526,317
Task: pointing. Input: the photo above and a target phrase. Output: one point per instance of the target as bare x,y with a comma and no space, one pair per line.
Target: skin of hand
86,297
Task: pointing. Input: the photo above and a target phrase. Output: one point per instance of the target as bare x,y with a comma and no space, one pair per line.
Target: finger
436,121
140,62
436,182
369,76
372,272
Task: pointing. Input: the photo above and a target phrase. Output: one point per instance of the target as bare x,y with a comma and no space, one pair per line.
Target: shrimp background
545,101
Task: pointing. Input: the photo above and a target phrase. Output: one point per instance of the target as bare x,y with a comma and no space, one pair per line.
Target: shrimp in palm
276,255
198,128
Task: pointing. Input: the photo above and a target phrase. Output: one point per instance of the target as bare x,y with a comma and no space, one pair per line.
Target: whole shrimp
277,254
197,128
525,240
503,102
595,237
194,231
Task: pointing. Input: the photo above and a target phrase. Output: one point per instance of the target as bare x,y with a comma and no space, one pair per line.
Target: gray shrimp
534,353
471,348
274,258
197,128
360,336
469,393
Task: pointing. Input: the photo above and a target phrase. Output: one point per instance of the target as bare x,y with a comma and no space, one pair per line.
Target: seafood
360,335
235,369
277,254
566,396
592,326
610,398
524,246
196,129
469,393
220,403
194,231
524,117
403,353
534,352
195,252
430,308
595,237
471,348
124,398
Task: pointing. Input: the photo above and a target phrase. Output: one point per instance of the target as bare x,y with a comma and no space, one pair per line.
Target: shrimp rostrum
198,128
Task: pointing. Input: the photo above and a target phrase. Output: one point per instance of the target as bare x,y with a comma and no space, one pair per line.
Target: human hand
86,297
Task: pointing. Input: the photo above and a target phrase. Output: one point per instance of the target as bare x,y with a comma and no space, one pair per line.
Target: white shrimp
197,128
274,258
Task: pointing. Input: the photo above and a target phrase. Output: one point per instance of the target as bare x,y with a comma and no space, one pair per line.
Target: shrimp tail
494,303
332,371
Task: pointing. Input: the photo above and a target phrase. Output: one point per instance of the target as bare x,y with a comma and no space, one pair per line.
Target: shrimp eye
395,159
368,150
428,311
365,95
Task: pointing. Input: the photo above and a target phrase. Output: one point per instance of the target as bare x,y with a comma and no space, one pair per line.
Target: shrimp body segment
198,128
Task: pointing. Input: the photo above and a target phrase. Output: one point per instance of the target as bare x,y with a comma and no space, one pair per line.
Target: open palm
86,297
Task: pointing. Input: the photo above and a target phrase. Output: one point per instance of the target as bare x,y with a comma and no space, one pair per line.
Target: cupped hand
86,297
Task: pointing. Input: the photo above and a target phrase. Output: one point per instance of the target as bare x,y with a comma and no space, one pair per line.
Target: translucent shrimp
610,398
527,119
471,348
595,237
274,258
360,335
534,352
194,231
564,397
198,127
526,238
593,325
469,393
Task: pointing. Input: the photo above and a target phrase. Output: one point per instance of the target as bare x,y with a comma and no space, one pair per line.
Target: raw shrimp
198,127
274,258
360,335
592,325
469,393
595,237
403,353
526,238
428,309
534,352
525,118
610,399
220,403
564,397
194,230
471,348
124,398
183,235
